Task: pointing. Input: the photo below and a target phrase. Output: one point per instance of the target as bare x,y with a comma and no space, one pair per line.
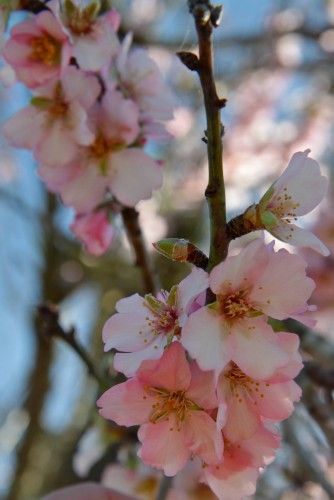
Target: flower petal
126,404
294,235
134,175
164,446
205,339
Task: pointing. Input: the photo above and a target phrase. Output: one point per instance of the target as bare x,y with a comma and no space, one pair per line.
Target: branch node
189,59
216,15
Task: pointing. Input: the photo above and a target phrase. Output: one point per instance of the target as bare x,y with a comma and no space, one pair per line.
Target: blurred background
274,61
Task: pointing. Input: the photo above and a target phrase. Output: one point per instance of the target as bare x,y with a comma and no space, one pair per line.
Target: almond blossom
93,37
58,118
38,49
112,162
169,399
246,401
94,230
299,189
255,284
142,327
137,75
235,478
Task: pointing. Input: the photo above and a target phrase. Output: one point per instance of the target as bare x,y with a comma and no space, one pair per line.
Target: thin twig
205,20
164,487
135,236
50,327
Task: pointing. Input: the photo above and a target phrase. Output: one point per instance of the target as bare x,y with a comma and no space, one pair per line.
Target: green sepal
40,102
268,219
153,303
172,297
214,305
266,198
254,313
92,10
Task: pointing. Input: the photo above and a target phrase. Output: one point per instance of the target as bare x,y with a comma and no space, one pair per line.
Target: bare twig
49,326
206,18
135,236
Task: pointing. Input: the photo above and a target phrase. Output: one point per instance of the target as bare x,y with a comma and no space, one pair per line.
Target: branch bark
134,233
215,191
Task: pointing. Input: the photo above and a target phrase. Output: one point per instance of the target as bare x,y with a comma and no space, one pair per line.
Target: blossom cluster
96,103
209,381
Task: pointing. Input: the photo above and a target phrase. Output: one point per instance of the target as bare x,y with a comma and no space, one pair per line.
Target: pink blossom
94,230
38,49
142,327
58,118
235,478
299,189
93,37
138,76
246,401
168,398
251,286
112,162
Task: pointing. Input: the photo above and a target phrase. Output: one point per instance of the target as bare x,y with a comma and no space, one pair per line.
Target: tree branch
50,327
215,192
135,236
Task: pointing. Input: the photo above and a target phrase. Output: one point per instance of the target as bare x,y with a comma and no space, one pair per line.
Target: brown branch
205,16
50,327
136,239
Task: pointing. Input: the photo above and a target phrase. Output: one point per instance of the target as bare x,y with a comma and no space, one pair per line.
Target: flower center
58,106
165,322
283,206
170,402
100,147
45,49
234,306
240,382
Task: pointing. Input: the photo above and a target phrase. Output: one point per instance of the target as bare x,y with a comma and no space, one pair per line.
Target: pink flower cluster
209,382
95,105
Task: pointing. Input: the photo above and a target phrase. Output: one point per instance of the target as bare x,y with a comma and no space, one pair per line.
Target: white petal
206,341
188,289
290,233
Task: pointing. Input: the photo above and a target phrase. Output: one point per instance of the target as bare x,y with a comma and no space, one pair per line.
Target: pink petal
275,401
126,404
164,446
242,420
206,341
120,118
134,176
86,191
16,51
36,74
257,350
231,485
202,389
190,288
18,129
94,230
80,86
47,22
241,269
57,148
171,371
283,287
203,437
